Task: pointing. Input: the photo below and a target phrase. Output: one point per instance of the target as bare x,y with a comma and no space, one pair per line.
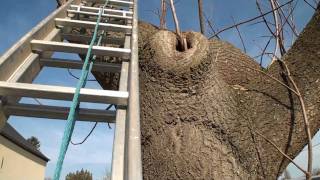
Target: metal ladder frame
25,59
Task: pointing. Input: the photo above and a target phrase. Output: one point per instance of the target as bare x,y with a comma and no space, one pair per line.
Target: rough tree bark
200,108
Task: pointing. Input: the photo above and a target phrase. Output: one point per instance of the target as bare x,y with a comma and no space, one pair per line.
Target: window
2,160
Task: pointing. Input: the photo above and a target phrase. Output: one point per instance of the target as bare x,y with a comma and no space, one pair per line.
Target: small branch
294,29
281,152
264,50
240,36
264,19
305,118
309,4
273,78
249,20
210,25
296,91
292,26
277,29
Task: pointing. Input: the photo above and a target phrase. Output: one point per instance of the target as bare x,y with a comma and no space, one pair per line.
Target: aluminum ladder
24,60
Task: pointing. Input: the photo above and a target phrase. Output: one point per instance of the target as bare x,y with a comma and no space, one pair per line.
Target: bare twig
273,78
264,50
264,19
296,91
281,152
249,20
277,29
290,14
240,36
293,24
305,118
210,23
309,4
261,22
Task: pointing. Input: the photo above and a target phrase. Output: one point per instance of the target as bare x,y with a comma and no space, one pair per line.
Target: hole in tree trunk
179,45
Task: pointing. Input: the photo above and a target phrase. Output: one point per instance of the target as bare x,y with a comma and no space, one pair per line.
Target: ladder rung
113,2
91,25
84,39
40,45
73,64
97,14
63,93
106,11
54,112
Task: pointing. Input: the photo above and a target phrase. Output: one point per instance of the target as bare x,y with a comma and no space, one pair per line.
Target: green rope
75,102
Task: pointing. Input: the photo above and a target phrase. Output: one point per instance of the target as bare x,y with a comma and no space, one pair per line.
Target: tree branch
249,20
240,36
201,18
176,22
281,152
163,14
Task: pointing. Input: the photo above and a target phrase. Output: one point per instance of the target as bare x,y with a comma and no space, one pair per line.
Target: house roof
12,135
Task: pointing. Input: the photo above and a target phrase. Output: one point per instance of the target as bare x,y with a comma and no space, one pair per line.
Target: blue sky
19,16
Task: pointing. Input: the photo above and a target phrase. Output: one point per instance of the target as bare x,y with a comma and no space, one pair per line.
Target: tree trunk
201,17
200,108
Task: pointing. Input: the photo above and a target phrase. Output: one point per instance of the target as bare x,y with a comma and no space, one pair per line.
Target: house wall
18,164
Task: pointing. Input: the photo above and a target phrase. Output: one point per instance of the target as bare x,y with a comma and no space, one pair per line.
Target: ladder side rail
118,152
30,67
119,145
133,170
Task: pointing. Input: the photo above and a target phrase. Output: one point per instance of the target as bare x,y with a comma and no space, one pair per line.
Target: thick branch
201,17
176,22
163,14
